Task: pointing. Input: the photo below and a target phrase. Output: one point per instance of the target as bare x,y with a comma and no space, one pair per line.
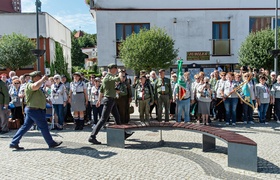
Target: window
260,23
125,30
221,38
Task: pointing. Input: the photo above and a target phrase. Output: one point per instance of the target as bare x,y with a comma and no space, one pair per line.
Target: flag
245,95
181,81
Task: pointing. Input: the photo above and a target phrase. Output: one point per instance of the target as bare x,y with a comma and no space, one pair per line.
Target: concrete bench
242,151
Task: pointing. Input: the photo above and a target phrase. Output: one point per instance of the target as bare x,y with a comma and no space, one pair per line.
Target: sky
74,14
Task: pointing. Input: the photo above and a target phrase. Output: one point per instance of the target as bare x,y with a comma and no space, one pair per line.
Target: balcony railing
221,47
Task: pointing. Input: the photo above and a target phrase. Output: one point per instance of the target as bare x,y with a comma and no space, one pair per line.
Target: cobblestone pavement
180,157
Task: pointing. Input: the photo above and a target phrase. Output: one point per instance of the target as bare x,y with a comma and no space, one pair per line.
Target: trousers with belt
163,100
38,116
109,106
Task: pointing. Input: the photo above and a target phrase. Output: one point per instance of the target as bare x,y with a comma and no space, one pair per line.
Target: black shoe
16,147
93,140
4,132
82,123
56,144
127,135
77,127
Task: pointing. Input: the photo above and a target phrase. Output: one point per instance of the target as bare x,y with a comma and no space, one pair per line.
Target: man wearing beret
35,111
108,91
163,95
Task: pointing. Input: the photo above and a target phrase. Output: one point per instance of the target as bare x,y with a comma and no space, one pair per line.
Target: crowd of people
219,96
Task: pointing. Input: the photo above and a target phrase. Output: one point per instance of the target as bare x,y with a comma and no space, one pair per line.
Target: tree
15,51
255,50
148,50
77,56
59,66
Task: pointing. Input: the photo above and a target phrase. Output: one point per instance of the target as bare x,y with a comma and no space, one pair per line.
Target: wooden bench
242,151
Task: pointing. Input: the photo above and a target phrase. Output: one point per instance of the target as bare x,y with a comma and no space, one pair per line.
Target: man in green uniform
4,101
144,98
163,95
35,111
109,92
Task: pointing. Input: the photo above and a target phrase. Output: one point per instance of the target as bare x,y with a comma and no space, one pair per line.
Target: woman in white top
95,91
78,99
59,99
204,95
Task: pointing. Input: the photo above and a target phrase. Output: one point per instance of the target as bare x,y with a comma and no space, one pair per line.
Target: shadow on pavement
83,151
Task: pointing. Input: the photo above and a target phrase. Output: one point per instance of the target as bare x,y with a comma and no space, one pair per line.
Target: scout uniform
35,111
143,98
163,95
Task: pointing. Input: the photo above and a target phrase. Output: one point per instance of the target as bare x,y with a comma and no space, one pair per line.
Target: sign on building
198,55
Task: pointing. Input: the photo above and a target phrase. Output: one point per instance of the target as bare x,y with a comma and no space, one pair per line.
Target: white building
50,31
208,33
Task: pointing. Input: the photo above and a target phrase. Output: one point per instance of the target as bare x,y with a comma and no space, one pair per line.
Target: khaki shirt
108,85
160,85
35,99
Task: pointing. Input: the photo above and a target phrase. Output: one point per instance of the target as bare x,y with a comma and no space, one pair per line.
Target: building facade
10,6
207,33
50,31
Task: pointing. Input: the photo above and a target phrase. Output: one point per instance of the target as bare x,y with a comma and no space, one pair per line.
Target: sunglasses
16,83
246,76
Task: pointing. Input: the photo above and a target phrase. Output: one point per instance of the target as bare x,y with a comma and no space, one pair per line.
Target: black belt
186,98
79,92
32,108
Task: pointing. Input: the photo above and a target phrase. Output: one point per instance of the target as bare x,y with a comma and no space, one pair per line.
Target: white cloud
29,5
83,21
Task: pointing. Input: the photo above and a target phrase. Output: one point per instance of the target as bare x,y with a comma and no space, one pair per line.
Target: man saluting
35,111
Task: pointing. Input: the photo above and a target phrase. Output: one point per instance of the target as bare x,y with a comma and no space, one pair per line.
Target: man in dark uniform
108,91
35,111
4,101
163,95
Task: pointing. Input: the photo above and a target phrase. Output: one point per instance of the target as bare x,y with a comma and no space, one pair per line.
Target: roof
79,34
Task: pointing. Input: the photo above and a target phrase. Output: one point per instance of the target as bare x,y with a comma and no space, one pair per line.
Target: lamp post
38,52
276,37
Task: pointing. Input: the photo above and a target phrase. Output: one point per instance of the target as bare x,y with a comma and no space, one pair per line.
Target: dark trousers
239,110
277,109
269,113
109,107
88,112
152,107
17,114
97,111
38,117
172,108
221,111
123,108
248,112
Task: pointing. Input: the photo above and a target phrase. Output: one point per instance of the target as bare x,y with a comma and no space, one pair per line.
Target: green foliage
15,51
77,56
149,49
255,50
87,73
59,66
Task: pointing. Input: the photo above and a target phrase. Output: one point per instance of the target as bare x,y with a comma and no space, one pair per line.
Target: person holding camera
35,111
204,98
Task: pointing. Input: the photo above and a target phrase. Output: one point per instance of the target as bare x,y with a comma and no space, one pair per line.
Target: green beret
35,73
110,66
